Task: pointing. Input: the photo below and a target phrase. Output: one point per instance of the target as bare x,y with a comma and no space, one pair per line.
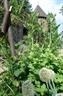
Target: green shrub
27,66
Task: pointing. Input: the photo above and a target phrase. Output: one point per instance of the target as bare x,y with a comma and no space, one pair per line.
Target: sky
53,6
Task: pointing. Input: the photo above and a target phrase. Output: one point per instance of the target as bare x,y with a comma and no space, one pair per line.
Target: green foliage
40,52
27,66
53,35
4,47
21,9
61,39
51,88
35,33
49,39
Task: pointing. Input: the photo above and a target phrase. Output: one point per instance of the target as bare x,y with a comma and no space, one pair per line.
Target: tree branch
6,26
6,5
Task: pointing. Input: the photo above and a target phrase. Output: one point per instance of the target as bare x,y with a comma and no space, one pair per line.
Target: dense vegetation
32,54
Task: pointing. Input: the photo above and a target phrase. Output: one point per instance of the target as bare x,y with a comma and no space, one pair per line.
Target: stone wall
43,23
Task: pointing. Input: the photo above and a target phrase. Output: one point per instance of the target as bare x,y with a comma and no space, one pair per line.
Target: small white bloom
46,74
27,88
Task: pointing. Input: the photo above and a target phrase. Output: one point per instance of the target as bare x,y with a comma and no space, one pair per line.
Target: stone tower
42,18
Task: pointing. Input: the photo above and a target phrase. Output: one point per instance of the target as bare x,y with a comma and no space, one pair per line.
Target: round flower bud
46,74
27,88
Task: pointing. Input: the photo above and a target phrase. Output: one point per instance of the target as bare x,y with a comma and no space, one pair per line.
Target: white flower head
27,88
46,74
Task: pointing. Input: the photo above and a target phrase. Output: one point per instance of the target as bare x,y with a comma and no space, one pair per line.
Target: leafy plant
40,52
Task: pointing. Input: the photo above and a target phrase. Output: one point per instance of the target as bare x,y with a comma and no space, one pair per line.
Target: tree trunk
11,42
6,26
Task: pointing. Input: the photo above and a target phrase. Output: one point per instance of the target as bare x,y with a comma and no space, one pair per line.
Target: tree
61,10
19,13
6,25
22,10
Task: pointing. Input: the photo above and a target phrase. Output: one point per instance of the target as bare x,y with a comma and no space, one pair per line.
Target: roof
40,12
